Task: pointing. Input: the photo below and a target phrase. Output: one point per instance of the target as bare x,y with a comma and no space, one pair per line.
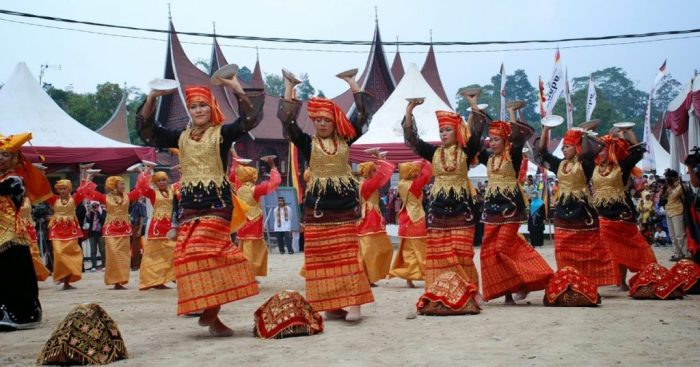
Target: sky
88,59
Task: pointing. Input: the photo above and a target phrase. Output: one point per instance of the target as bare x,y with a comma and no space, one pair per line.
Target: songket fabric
67,260
287,314
509,264
256,252
157,263
449,294
409,262
450,250
210,270
376,251
570,288
334,274
690,272
118,265
87,335
64,232
656,282
584,251
627,244
42,273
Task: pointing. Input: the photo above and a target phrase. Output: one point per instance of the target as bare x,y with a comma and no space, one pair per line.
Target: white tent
25,107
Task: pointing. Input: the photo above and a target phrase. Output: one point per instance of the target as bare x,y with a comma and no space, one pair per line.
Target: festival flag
592,97
541,87
294,170
503,92
649,161
569,105
555,87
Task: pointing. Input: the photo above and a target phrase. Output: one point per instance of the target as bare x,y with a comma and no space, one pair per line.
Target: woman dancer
209,270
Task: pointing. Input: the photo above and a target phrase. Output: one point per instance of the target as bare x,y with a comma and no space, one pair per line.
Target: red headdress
616,147
449,118
36,184
203,94
501,129
573,137
322,107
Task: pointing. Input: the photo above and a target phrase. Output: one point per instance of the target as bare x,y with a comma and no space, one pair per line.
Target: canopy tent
386,132
62,141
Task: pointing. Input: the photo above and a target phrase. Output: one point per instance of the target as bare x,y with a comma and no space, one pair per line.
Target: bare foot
161,286
410,284
520,296
335,314
67,287
354,314
209,316
119,287
218,329
509,299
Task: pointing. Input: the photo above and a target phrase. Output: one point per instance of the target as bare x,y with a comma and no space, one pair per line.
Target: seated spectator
660,238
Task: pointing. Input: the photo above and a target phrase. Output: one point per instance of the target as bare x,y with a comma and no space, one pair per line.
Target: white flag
503,92
555,87
591,100
569,105
649,161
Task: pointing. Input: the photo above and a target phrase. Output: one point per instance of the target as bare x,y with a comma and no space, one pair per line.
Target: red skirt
628,246
450,249
583,251
209,270
334,274
509,264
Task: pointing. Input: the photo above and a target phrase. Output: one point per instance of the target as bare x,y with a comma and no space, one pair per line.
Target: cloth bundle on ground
569,288
87,335
656,282
287,314
448,295
690,272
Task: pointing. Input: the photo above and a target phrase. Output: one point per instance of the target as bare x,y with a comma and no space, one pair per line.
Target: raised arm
151,132
380,178
268,186
542,154
476,122
363,116
288,112
410,135
426,172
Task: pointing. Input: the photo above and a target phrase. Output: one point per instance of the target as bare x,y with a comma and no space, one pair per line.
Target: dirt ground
621,331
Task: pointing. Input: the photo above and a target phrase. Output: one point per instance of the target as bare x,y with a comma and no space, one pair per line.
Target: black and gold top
573,209
12,232
205,188
504,200
452,199
610,181
332,193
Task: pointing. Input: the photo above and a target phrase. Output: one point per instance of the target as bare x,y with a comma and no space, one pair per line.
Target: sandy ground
622,331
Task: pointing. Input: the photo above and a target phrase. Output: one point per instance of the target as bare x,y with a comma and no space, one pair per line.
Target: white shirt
284,224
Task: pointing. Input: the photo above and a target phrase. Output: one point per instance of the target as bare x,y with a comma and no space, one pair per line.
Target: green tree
274,85
134,99
321,94
203,65
245,75
305,90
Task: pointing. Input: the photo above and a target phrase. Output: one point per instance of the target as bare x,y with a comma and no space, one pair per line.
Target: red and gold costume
656,282
117,230
568,287
287,314
508,263
28,222
452,209
376,249
64,232
409,262
618,217
250,235
577,242
333,272
209,270
157,262
448,295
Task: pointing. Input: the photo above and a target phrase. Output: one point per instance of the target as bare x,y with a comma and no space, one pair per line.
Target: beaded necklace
335,145
447,168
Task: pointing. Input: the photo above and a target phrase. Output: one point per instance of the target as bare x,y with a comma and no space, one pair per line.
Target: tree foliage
305,90
245,75
274,85
90,109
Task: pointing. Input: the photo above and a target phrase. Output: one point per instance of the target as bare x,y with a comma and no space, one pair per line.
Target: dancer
618,218
452,201
333,272
409,263
376,249
25,212
19,293
576,241
117,228
209,270
508,263
250,235
157,262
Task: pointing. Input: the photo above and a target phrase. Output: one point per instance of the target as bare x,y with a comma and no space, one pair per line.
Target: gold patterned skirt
118,265
157,263
450,249
376,251
42,273
409,262
256,253
67,260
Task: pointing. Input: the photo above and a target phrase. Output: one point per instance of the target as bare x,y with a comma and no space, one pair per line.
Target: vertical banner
542,100
569,105
591,99
555,86
503,92
294,170
649,162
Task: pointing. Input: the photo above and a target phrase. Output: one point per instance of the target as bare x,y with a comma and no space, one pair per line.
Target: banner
649,162
569,105
293,171
591,99
503,93
541,88
555,86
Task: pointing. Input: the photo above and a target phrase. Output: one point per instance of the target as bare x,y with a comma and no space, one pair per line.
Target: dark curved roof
432,75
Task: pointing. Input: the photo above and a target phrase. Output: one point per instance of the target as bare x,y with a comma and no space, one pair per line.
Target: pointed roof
432,75
397,68
257,81
172,111
116,127
376,78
